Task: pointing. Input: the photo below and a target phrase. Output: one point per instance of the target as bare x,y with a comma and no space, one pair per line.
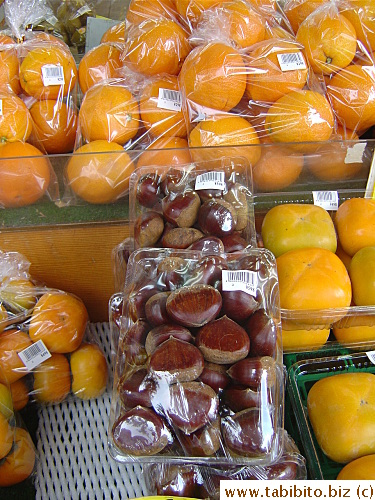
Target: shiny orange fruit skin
362,275
20,393
6,436
173,151
19,464
313,278
52,379
341,409
89,371
24,163
298,225
59,319
362,468
355,224
11,366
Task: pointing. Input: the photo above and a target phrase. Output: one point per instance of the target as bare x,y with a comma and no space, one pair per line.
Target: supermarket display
226,149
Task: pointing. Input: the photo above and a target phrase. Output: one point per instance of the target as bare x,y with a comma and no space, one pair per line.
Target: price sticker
329,200
52,75
1,107
354,153
291,61
210,180
34,355
243,280
169,99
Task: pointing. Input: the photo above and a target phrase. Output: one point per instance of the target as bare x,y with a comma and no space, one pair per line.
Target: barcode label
1,107
52,20
329,200
210,180
371,356
52,75
292,61
169,99
83,10
34,355
354,154
244,280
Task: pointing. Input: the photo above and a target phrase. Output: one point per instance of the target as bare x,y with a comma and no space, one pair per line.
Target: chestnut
194,305
180,481
140,431
238,305
204,442
155,309
237,197
254,372
208,271
181,209
148,228
249,433
180,237
190,406
148,190
208,244
175,180
133,343
139,297
161,333
239,397
171,272
262,332
215,376
217,217
176,361
234,242
223,341
136,389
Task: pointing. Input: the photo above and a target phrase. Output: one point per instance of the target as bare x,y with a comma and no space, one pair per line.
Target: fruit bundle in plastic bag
198,359
45,349
17,450
204,482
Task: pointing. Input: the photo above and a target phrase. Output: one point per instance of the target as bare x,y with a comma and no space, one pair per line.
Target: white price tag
52,75
354,153
1,107
83,10
210,180
243,280
329,200
34,355
169,99
291,61
371,356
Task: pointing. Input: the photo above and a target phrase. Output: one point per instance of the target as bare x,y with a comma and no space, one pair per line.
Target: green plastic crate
301,377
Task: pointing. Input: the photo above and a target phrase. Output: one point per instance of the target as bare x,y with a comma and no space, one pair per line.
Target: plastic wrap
204,482
17,451
73,15
156,46
190,207
98,64
142,10
163,371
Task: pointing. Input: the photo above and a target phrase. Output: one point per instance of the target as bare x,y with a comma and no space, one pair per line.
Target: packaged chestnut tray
198,375
193,207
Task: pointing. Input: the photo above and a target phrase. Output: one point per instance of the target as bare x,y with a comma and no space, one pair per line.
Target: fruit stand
186,244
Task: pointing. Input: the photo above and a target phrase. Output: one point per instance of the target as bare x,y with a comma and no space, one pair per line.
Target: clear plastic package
204,481
185,388
204,207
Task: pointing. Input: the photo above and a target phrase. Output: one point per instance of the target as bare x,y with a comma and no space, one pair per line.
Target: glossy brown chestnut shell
181,209
223,341
204,442
262,332
217,217
176,361
238,305
161,333
136,389
194,306
148,228
140,431
181,237
191,406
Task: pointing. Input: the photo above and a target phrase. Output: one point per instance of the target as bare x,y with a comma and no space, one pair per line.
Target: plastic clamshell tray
301,377
193,202
163,382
